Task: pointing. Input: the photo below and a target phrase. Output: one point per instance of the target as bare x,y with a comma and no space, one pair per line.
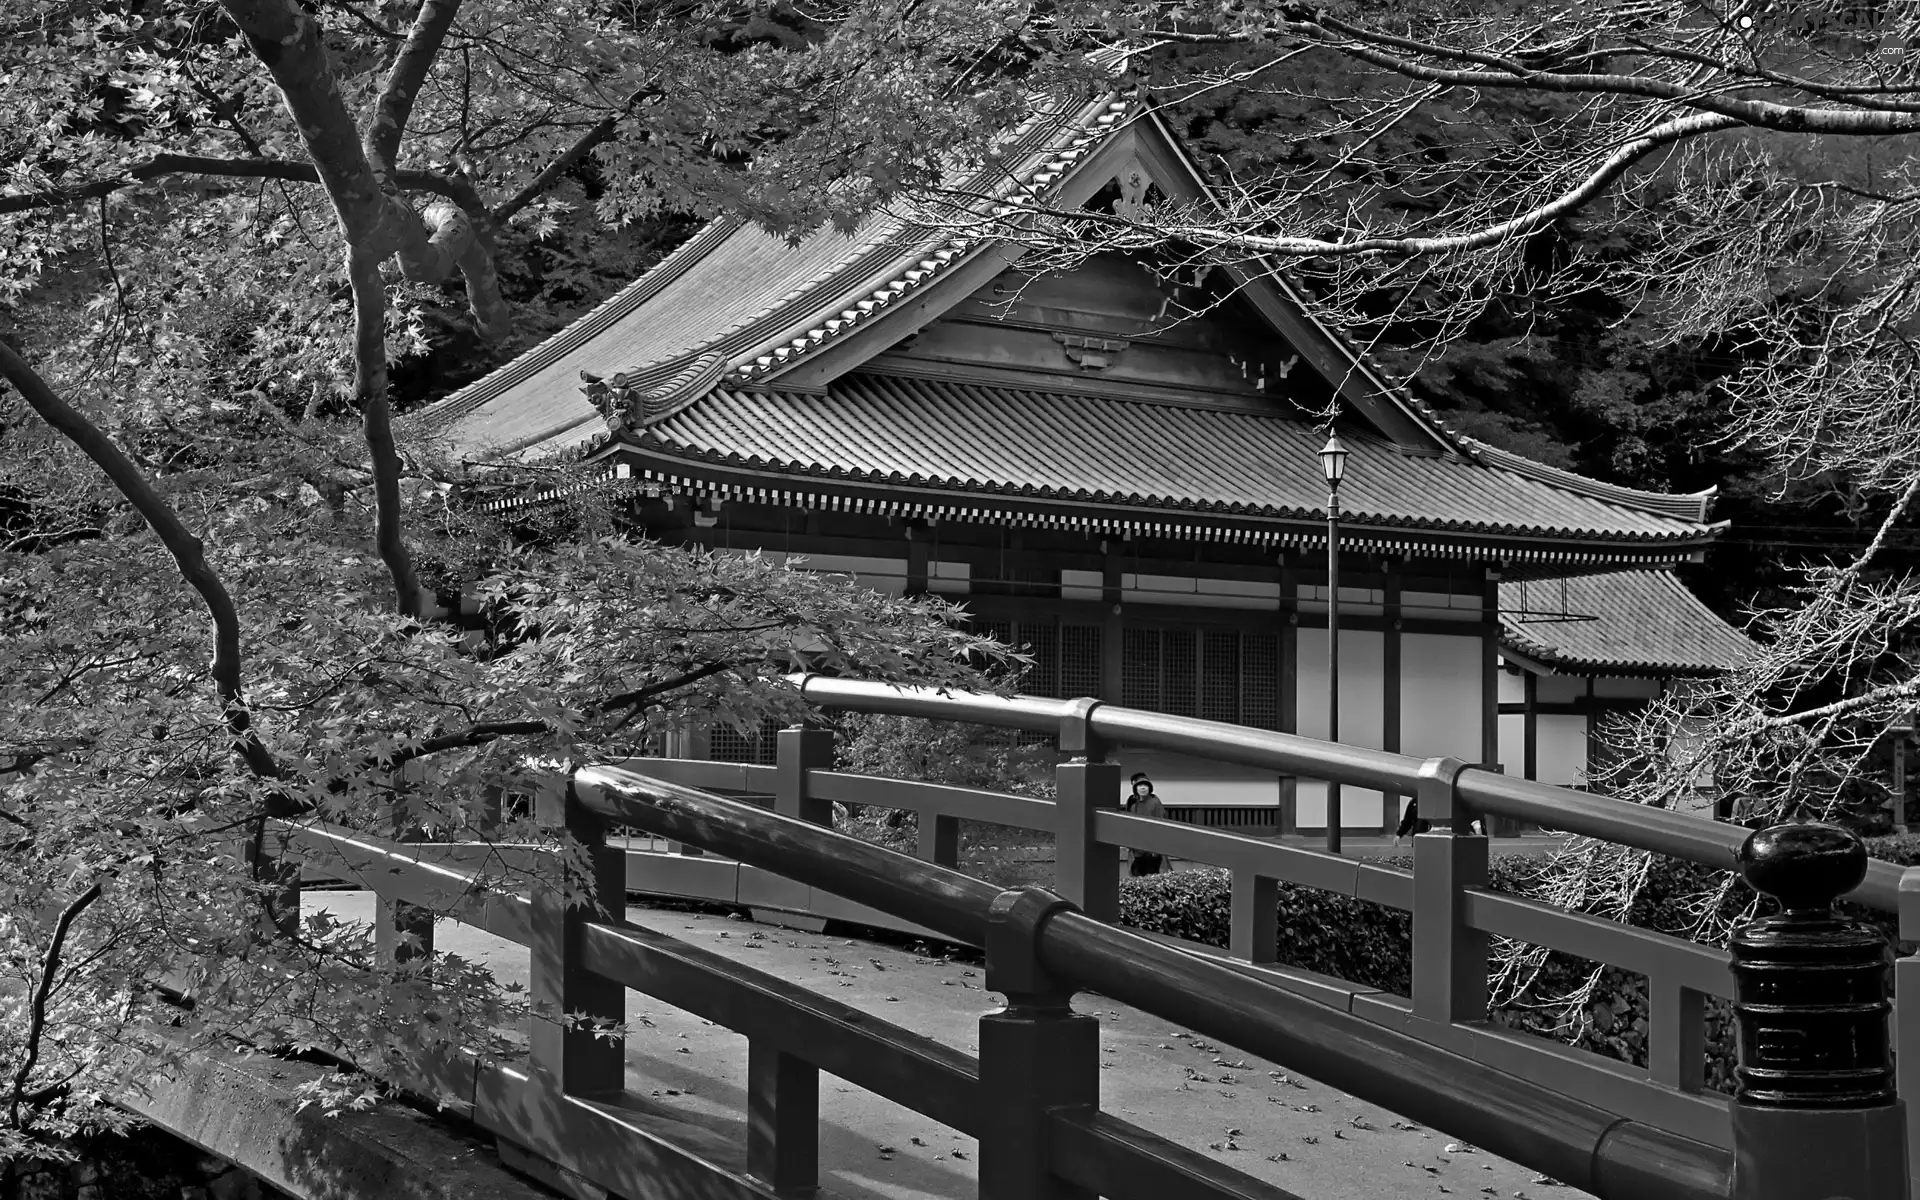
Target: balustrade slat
397,873
993,808
1237,852
1643,951
1676,1035
1254,933
783,1117
916,1072
940,839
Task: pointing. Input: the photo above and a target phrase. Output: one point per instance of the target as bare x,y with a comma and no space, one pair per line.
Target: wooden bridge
1031,1096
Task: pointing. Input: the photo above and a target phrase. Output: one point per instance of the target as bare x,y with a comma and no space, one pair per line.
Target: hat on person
1141,777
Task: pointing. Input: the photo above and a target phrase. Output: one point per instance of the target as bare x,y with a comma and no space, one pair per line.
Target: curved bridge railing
1596,1124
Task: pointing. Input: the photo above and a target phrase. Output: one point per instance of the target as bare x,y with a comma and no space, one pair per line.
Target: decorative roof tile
1627,623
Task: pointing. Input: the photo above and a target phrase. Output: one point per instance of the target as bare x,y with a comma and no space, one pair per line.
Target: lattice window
1220,675
1260,680
1140,668
1080,660
1180,673
1043,642
761,746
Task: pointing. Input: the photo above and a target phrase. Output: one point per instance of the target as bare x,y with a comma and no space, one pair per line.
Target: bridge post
396,920
1036,1055
1815,1113
1085,872
577,1062
798,751
1449,955
1906,1016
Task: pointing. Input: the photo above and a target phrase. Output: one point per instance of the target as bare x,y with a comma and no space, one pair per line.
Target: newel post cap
1805,865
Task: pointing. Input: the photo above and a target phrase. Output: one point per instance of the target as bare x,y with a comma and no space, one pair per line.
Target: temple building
1114,464
1575,651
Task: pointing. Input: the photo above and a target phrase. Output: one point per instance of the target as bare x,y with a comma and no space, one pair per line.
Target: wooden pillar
1530,734
1593,743
1490,684
1289,683
1390,685
1113,638
918,558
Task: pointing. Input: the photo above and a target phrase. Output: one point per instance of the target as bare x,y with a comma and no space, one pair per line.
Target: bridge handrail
1677,835
590,1139
1573,1141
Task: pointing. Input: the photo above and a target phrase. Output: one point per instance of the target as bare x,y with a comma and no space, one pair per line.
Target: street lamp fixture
1333,465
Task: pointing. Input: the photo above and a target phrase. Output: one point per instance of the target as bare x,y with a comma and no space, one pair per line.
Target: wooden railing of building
1593,1123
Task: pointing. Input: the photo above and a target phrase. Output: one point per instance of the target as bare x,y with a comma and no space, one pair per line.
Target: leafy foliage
974,756
121,781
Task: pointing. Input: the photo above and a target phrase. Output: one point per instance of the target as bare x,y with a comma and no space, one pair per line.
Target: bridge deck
1155,1076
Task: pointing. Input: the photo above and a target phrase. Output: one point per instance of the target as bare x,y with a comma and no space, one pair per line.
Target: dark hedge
1367,944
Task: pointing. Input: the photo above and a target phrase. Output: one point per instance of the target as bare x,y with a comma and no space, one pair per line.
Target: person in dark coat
1142,802
1410,822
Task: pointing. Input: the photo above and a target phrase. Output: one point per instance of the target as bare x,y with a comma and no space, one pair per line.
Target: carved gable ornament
1134,182
1091,353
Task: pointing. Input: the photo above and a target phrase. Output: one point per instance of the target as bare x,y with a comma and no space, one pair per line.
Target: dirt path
1252,1114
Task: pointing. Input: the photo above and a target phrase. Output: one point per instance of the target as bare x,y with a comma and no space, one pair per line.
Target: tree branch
1364,45
370,389
43,990
388,121
602,131
478,735
642,695
194,164
188,553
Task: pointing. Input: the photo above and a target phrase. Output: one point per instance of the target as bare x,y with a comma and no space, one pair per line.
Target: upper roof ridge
1688,506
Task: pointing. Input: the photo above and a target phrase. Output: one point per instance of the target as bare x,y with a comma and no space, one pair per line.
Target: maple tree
221,226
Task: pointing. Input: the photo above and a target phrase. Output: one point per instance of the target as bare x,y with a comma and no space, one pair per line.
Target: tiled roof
1643,623
752,300
1133,454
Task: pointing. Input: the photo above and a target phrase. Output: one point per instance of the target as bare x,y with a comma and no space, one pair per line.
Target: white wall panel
1440,703
1362,717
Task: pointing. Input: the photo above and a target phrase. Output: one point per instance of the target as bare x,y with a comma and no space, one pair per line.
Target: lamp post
1333,465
